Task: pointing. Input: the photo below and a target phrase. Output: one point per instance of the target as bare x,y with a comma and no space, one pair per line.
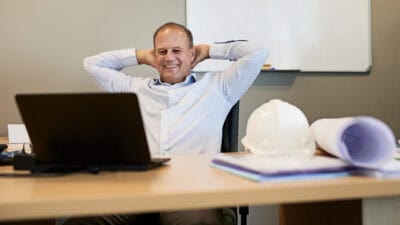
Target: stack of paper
389,170
266,168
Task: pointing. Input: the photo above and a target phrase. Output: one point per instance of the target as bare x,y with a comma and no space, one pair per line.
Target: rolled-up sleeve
107,68
239,76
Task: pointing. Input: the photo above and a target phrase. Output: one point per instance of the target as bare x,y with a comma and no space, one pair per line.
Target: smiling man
182,114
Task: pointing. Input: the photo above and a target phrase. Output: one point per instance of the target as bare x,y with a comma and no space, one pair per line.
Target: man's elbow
261,55
88,63
265,53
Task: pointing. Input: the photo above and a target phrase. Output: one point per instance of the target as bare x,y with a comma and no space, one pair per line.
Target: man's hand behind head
202,52
146,57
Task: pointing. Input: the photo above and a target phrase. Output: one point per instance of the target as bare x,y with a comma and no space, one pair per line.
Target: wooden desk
187,182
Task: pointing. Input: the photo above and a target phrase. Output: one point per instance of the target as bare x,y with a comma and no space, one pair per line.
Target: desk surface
185,182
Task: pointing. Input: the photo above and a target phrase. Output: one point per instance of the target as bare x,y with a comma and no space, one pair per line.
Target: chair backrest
230,130
230,144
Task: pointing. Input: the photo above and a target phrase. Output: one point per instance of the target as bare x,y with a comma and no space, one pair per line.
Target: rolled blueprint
362,141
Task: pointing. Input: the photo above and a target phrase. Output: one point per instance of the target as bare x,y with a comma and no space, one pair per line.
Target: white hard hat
279,128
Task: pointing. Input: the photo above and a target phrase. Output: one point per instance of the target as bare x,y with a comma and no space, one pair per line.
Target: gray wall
43,42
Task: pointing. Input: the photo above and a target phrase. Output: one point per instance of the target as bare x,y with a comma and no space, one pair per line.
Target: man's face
173,55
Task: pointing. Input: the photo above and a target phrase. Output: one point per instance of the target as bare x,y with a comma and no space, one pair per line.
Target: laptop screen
85,128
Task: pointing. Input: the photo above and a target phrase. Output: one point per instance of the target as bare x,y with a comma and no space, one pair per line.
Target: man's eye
177,50
162,52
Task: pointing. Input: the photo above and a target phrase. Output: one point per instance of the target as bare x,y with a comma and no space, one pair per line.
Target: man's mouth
170,66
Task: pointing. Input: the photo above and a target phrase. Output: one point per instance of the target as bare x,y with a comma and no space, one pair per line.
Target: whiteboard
305,35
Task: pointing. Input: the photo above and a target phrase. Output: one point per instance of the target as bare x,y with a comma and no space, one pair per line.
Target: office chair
230,144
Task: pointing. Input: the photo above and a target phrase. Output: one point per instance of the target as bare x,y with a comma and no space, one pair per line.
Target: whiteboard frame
193,24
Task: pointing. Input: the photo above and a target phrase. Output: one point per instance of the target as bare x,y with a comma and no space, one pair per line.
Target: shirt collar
191,78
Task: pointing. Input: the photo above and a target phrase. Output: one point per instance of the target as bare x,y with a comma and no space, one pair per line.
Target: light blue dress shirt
187,117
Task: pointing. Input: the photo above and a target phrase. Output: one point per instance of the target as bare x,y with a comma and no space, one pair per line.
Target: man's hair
175,25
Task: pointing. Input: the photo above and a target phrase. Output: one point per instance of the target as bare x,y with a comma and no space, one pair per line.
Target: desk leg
381,211
328,213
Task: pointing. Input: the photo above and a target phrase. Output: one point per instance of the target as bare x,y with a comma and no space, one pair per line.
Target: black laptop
84,131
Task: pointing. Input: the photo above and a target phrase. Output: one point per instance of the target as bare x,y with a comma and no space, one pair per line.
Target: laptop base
28,162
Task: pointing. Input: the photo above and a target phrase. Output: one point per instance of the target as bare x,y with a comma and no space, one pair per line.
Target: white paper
17,133
389,170
362,141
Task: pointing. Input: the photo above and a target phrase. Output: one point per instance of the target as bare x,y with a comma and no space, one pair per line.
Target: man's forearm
145,57
140,56
201,52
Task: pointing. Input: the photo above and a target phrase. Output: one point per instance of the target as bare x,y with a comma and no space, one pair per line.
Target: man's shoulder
138,82
209,79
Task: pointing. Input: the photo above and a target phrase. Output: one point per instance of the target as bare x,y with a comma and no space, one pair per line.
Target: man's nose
169,56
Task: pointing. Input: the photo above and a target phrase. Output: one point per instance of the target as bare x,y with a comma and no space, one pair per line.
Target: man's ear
192,54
